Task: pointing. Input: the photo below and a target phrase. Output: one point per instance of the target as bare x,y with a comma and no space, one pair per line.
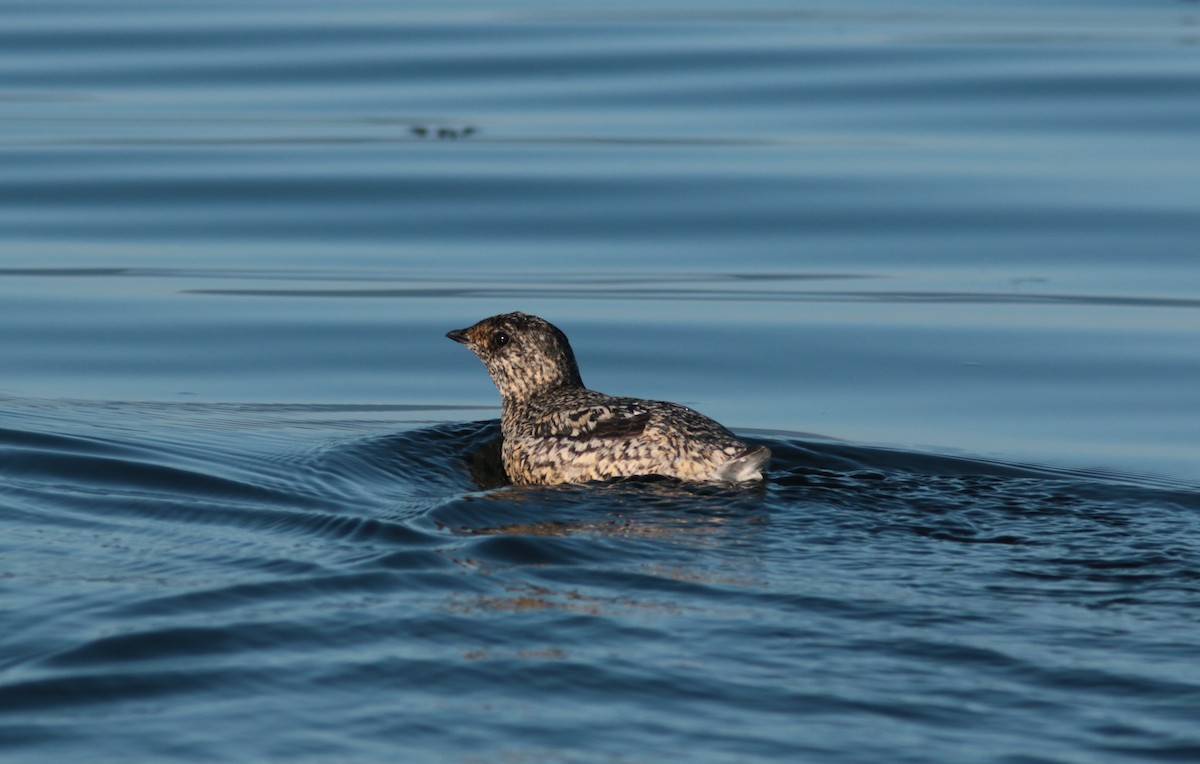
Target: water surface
941,259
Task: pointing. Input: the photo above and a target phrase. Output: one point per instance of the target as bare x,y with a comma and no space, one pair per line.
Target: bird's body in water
555,430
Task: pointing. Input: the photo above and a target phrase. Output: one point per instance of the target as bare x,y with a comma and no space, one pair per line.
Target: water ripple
403,564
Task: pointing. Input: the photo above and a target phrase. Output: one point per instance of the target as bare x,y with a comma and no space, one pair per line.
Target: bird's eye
500,340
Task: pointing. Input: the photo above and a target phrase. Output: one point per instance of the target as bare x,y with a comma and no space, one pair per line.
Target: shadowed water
361,596
941,259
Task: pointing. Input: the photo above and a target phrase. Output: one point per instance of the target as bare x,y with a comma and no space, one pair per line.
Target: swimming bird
555,430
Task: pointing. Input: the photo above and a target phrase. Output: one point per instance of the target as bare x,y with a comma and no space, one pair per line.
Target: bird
554,430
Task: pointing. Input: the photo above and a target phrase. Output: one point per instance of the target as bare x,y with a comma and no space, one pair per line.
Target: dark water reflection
376,597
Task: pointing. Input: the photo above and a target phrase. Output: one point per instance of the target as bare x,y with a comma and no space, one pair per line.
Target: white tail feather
745,467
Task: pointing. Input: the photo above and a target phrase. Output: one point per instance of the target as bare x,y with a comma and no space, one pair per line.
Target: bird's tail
746,467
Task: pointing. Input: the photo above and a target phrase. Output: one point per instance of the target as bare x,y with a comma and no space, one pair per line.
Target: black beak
459,335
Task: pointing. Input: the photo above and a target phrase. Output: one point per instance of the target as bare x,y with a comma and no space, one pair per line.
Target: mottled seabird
555,430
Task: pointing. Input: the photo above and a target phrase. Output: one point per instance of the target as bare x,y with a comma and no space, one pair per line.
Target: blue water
943,259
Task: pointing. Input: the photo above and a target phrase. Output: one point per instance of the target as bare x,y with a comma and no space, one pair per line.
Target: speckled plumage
555,430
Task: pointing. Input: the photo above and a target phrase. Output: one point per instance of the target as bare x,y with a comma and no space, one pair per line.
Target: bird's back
577,435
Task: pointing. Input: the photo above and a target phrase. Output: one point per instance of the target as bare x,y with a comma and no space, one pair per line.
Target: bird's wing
622,421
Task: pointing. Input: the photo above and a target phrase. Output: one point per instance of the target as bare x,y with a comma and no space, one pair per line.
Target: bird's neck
519,385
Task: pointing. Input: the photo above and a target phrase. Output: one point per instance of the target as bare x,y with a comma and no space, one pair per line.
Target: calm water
943,259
